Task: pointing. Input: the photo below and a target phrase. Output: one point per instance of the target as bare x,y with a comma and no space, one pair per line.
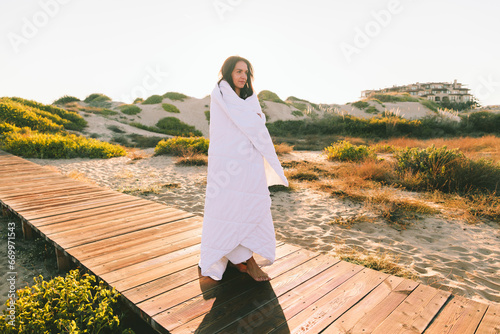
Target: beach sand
445,253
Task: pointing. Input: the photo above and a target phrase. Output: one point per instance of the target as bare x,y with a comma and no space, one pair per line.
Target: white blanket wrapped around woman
242,163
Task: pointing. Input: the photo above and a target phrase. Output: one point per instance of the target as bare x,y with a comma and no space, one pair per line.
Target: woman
242,163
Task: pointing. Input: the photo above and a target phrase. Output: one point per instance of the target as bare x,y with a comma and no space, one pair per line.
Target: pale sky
319,50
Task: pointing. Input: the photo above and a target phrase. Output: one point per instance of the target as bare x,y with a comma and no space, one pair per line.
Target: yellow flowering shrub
57,146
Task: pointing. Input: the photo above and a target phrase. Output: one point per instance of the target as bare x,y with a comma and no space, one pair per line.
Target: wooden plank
131,239
32,185
458,316
231,288
490,324
256,310
139,257
17,179
297,296
7,171
174,261
415,313
103,213
156,245
52,193
127,261
306,294
49,212
50,197
69,241
334,303
53,189
56,203
119,219
144,276
11,169
374,308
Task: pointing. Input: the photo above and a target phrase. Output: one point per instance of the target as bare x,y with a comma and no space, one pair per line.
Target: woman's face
239,74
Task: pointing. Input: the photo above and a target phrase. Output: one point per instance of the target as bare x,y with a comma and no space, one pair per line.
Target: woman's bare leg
255,272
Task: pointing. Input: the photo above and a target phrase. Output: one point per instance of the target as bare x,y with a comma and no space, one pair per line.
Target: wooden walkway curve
149,252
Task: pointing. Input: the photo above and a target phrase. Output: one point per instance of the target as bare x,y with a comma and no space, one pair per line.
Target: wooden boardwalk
149,252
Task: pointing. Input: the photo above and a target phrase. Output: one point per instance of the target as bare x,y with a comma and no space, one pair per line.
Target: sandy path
448,254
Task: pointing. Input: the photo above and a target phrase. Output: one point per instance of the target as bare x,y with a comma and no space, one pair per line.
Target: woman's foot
255,272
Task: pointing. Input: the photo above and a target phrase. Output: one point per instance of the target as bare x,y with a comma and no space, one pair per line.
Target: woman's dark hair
227,70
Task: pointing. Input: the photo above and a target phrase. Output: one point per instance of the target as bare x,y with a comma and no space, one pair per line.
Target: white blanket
242,163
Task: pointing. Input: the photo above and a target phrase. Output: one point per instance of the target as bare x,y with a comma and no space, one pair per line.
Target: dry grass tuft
471,209
303,172
283,148
148,189
349,221
396,210
191,158
381,261
136,154
379,171
124,174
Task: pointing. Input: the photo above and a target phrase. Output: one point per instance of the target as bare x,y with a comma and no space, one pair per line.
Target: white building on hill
434,91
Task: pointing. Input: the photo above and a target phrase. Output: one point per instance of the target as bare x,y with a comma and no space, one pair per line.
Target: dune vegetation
461,173
35,130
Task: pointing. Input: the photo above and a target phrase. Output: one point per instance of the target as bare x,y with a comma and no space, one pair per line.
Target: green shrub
345,151
300,106
297,113
120,139
96,97
105,112
405,97
329,124
71,304
76,122
130,109
144,141
21,115
170,108
361,104
138,100
57,146
179,146
153,99
430,104
115,129
66,99
295,100
207,115
372,110
481,122
173,126
447,170
175,96
267,95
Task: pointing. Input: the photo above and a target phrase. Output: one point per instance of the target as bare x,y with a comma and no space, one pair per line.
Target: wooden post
27,231
63,261
5,211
